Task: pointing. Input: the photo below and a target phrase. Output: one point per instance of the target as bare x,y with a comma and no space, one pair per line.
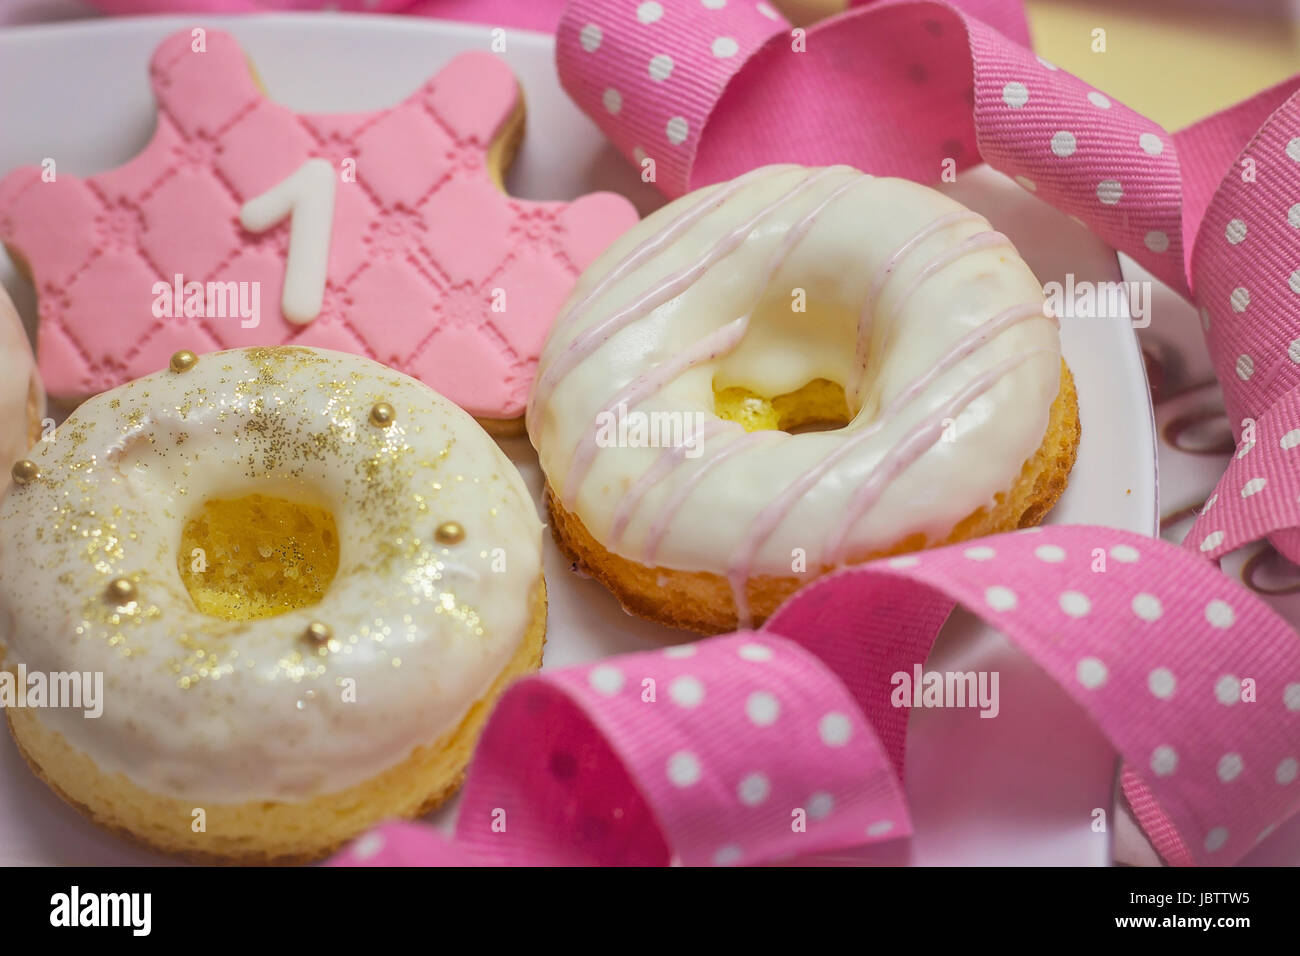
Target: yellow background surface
1172,60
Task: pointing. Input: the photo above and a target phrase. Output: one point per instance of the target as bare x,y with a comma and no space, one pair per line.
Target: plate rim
333,21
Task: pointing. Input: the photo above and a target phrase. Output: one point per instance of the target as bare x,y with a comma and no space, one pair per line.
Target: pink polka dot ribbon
709,90
1246,270
754,746
761,745
606,764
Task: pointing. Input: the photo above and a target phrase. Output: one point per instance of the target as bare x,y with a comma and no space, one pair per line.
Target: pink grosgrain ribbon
709,753
1194,680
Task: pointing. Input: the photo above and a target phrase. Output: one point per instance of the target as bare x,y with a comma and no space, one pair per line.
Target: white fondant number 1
307,196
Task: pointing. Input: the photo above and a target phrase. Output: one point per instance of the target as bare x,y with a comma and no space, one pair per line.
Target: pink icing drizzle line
667,463
674,504
882,276
800,229
925,232
915,444
980,240
776,511
651,247
668,460
667,288
710,347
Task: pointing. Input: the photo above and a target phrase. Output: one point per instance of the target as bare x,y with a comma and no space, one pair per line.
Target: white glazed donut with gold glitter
22,399
304,577
671,390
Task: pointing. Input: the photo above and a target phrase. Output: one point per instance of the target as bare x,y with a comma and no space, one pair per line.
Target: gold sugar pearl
382,414
450,532
120,591
25,471
318,633
183,361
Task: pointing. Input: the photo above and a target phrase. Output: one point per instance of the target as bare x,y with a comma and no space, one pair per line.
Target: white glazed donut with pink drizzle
794,287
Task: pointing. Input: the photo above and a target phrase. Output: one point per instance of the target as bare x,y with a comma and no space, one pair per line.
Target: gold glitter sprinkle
25,471
120,591
450,532
281,428
183,361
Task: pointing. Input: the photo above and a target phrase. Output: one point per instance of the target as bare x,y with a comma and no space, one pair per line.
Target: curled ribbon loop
1194,680
704,753
895,88
1246,270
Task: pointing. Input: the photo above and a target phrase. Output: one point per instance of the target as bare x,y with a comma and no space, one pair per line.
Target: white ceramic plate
1021,789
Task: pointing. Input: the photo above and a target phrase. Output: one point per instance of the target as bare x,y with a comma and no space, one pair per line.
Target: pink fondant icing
421,240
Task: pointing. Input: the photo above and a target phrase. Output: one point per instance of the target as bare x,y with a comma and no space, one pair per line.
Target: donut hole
257,556
818,405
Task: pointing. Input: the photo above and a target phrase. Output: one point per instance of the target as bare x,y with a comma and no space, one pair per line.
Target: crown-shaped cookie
242,222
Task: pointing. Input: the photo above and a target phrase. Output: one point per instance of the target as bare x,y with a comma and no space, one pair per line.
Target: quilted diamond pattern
464,261
167,213
407,129
421,235
285,145
397,303
32,201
